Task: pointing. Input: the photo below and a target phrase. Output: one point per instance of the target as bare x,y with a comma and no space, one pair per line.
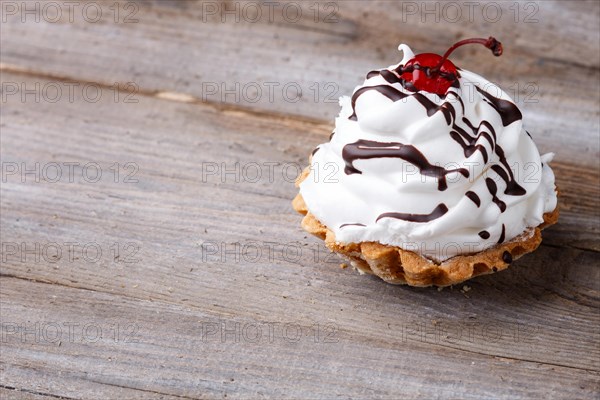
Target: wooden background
226,296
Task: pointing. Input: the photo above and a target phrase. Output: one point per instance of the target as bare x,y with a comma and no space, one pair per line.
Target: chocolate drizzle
372,74
446,108
341,226
437,212
501,239
507,257
367,149
390,77
315,151
470,143
472,139
512,187
491,185
508,111
474,198
387,91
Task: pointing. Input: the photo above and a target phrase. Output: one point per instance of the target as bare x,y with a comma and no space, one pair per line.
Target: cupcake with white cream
429,177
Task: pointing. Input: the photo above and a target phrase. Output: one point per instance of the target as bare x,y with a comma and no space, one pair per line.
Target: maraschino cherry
435,74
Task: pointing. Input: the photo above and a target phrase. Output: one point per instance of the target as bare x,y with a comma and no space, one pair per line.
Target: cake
429,177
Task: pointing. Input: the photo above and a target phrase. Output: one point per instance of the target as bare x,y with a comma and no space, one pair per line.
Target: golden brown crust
399,266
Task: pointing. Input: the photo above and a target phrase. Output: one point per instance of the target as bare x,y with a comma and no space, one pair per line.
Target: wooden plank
31,382
175,352
528,332
135,125
524,318
17,394
181,47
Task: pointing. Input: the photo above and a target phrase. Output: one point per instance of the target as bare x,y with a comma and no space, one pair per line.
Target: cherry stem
491,43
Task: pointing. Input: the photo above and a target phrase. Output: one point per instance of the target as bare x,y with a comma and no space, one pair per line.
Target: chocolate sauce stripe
512,187
367,149
484,234
388,91
469,149
493,189
446,107
354,224
508,111
474,198
437,212
502,234
504,171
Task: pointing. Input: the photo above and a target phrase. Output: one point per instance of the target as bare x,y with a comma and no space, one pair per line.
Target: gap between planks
177,97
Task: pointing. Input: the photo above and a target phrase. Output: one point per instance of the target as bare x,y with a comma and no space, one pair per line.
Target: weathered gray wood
32,382
529,330
10,393
175,47
173,354
152,121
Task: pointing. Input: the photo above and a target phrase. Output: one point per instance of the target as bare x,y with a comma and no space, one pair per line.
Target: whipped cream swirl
438,175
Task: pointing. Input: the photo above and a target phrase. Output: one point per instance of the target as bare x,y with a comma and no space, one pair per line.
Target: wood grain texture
196,255
524,325
170,356
175,47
